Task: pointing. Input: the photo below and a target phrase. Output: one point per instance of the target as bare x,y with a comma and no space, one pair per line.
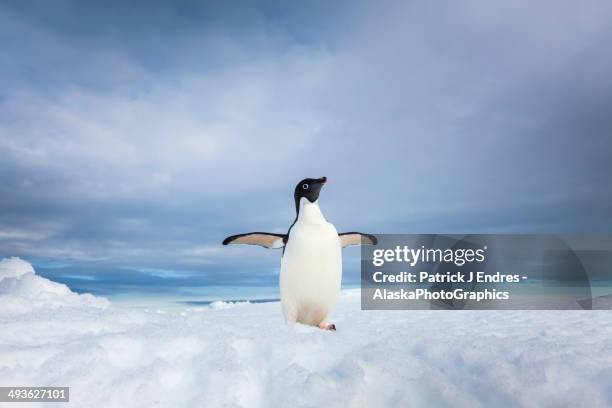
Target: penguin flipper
356,238
264,239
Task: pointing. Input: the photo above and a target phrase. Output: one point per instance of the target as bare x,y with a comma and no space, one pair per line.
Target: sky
135,137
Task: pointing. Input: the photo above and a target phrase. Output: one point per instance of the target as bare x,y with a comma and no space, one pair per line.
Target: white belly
311,273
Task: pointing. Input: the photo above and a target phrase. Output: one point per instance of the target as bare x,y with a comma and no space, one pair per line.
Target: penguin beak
322,180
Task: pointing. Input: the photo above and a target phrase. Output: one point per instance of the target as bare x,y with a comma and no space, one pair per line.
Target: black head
309,188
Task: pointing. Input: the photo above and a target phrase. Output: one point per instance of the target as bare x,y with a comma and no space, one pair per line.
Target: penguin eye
305,186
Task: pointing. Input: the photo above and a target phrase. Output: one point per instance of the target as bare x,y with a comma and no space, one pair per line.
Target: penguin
311,262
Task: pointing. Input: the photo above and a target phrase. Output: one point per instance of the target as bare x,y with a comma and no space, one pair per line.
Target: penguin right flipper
264,239
356,238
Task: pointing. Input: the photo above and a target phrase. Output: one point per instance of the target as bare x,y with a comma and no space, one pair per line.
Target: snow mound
21,290
13,267
248,357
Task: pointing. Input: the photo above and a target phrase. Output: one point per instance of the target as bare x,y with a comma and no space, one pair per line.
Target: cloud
144,136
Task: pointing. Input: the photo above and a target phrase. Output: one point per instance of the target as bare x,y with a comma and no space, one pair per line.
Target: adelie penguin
311,264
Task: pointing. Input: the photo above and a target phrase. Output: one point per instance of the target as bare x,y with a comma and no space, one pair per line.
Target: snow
22,290
244,354
13,266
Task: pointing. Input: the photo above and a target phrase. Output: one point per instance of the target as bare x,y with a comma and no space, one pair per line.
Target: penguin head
309,188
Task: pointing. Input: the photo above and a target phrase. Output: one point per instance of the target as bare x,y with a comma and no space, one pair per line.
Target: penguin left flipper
356,238
264,239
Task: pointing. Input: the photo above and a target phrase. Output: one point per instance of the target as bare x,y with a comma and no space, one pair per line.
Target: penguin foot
330,327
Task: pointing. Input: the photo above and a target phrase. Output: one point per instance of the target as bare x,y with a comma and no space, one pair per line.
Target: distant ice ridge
247,357
219,304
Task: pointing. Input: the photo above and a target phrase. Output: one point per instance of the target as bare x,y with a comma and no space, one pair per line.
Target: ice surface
246,356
